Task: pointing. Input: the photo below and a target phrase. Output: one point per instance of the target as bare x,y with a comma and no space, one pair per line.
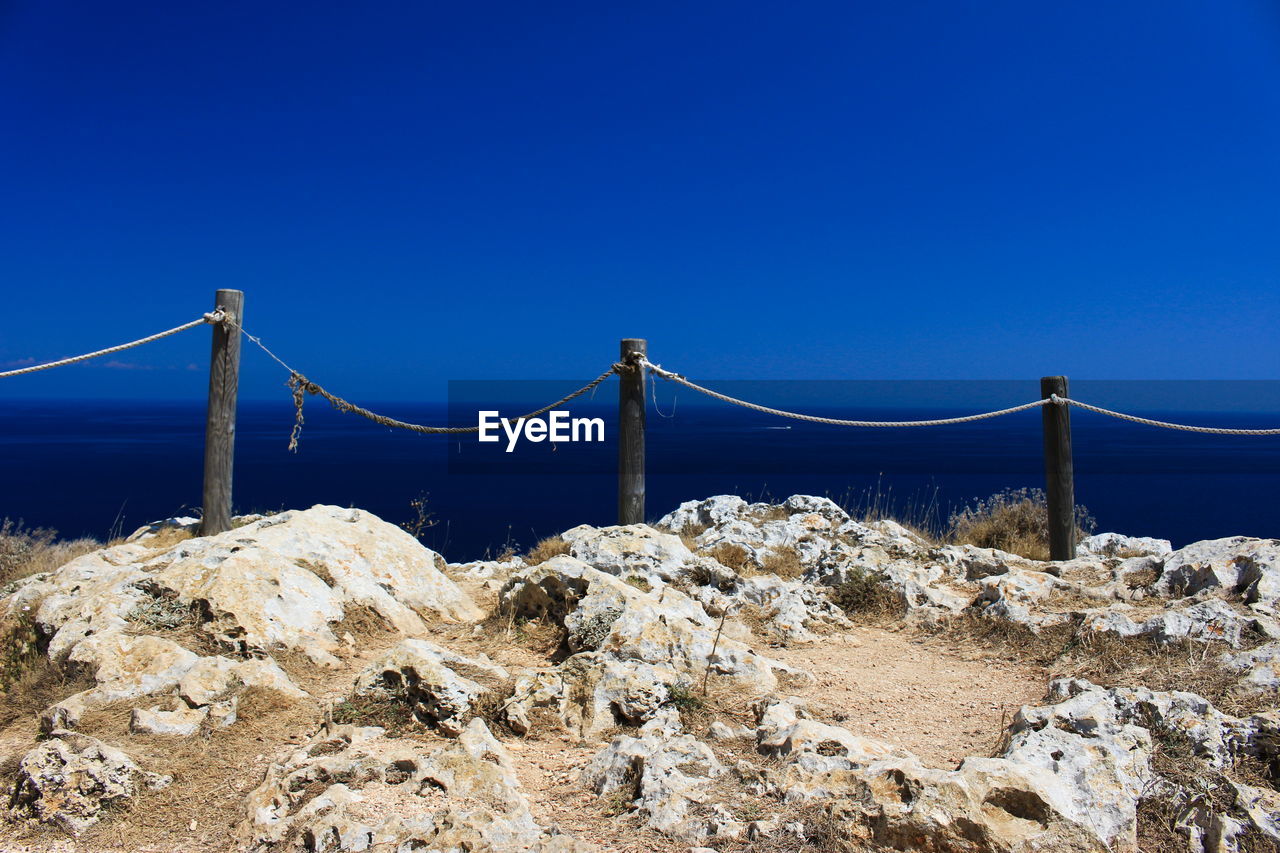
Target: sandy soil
918,692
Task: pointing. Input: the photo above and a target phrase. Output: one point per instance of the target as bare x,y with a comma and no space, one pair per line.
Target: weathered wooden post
631,434
1059,476
220,419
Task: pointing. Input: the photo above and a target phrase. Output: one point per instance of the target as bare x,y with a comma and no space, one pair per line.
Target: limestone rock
277,581
661,777
69,778
125,667
630,548
352,788
699,515
591,692
283,579
1235,565
1112,544
212,678
180,721
423,675
665,628
148,532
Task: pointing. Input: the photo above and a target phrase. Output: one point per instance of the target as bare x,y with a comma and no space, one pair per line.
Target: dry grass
212,771
394,716
552,546
167,537
544,637
639,582
1182,782
783,561
26,551
733,556
689,535
319,570
38,685
768,513
1142,578
1110,660
759,620
1014,520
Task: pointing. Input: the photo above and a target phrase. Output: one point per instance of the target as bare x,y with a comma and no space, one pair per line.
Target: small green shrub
866,593
684,698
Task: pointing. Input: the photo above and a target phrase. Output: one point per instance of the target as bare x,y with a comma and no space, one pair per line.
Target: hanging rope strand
300,386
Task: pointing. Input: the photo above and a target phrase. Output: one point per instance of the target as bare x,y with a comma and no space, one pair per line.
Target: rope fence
632,369
1053,399
300,386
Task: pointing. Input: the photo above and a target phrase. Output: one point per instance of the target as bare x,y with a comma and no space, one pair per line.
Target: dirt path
915,691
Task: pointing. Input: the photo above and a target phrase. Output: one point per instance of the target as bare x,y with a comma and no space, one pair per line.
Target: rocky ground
736,677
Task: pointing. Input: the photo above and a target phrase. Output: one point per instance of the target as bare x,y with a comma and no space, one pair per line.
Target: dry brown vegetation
26,551
732,556
783,561
1110,660
167,537
1014,520
38,685
552,546
212,771
768,513
689,535
1180,782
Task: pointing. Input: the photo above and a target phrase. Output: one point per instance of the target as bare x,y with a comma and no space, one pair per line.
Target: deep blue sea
94,467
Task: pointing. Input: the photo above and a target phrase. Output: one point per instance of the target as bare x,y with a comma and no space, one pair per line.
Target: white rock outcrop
70,778
353,789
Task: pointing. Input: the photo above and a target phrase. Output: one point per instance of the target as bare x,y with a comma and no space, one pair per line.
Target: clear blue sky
411,192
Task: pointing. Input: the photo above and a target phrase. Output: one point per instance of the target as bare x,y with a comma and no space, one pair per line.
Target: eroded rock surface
354,789
71,778
176,630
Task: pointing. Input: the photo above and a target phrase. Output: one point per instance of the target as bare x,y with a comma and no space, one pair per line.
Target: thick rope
1053,399
214,317
300,386
675,377
1149,422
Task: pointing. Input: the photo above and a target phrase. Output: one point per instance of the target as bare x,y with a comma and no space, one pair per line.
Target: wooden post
1059,476
631,435
220,419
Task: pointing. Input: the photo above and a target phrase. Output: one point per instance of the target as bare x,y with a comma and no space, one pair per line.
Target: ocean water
98,467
